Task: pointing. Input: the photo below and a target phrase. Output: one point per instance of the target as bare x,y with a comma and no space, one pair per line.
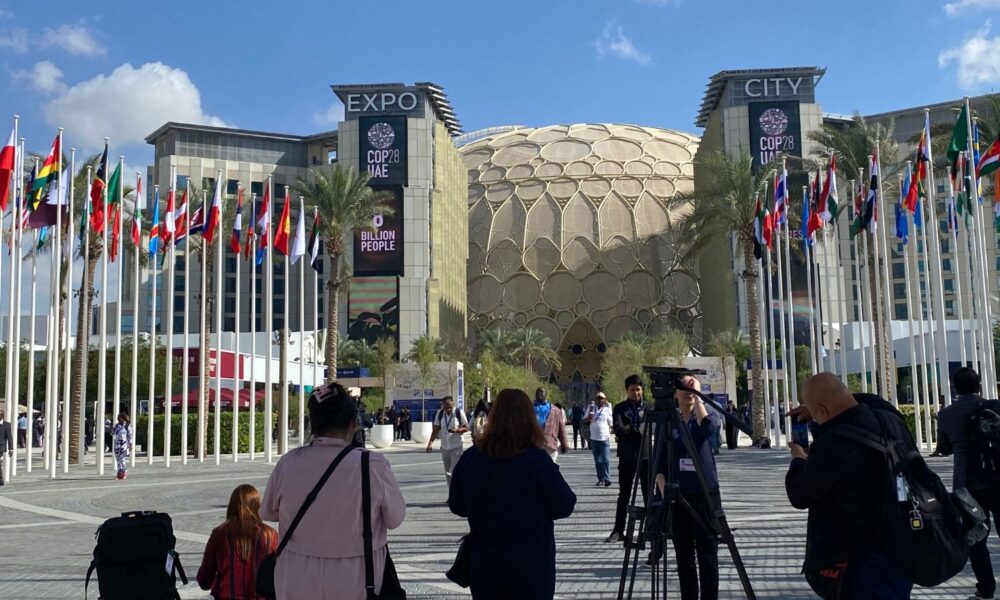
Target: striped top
228,576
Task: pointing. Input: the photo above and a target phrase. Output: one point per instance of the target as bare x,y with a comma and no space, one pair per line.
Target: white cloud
978,58
15,39
331,116
75,39
953,9
614,42
44,77
127,105
6,14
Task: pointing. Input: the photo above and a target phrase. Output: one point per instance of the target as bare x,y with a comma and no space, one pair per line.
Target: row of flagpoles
929,347
42,207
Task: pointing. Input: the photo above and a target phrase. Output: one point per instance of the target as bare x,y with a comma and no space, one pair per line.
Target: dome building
568,234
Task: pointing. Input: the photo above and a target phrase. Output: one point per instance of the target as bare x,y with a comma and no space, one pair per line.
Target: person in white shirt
600,421
450,424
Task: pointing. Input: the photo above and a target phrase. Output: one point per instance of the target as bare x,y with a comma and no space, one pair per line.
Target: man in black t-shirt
627,422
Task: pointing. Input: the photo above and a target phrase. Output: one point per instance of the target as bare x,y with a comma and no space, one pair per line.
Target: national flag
234,241
197,224
869,215
114,193
56,198
26,201
964,178
780,198
918,217
167,231
284,229
154,230
990,160
815,219
137,213
97,193
249,245
832,199
180,220
314,240
959,138
264,223
807,241
951,218
8,155
856,217
49,170
214,213
299,243
758,229
820,193
902,221
915,189
996,200
975,159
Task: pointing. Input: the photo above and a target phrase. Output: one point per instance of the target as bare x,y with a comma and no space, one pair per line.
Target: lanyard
447,424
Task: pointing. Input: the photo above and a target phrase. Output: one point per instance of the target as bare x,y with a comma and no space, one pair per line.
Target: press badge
902,489
170,563
687,465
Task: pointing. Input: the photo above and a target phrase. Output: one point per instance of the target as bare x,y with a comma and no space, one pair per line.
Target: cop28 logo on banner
383,149
774,130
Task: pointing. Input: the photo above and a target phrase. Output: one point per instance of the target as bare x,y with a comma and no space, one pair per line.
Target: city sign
766,87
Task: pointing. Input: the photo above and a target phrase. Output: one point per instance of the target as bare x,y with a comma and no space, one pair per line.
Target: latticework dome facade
568,234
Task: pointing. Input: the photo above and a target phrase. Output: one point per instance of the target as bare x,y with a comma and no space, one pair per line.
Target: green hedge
192,425
908,416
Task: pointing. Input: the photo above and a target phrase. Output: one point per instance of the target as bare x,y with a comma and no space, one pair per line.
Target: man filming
627,419
689,536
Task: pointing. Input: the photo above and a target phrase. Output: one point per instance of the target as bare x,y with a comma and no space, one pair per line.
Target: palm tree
723,206
528,345
495,341
424,352
729,345
345,204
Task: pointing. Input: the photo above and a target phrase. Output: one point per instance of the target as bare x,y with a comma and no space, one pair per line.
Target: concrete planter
422,432
382,436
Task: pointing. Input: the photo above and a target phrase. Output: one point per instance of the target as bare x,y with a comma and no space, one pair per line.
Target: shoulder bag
391,588
460,571
264,582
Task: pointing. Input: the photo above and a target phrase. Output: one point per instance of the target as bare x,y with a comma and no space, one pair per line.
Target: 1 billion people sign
378,250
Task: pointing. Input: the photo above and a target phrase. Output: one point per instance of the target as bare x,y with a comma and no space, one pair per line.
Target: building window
178,303
946,264
231,264
279,308
232,187
229,324
898,271
900,311
231,285
230,305
178,324
279,286
949,305
182,181
257,187
949,285
945,245
899,291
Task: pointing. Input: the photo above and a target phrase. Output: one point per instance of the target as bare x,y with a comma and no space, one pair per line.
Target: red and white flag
7,162
213,214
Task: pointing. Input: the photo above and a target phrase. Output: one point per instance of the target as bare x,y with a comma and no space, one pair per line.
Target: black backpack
928,534
984,444
135,558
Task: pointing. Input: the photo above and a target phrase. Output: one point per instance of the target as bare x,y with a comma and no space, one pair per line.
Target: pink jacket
555,429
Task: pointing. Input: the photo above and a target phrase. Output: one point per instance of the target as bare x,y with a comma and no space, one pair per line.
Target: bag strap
90,571
366,521
310,498
180,567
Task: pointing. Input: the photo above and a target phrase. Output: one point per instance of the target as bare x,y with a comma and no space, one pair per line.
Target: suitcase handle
138,513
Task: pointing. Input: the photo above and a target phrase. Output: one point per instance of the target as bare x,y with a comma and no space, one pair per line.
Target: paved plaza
47,527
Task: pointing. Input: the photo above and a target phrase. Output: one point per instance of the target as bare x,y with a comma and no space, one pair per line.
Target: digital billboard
775,129
373,309
382,149
378,250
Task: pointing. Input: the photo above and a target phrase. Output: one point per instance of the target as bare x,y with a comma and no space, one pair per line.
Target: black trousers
578,434
697,550
979,554
626,475
732,436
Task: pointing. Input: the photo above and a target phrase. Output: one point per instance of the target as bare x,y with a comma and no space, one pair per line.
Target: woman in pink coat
324,559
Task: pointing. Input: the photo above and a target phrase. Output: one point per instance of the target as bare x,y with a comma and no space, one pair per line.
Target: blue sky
124,70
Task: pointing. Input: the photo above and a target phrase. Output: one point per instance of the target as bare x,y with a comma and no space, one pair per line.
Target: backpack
135,558
923,528
984,444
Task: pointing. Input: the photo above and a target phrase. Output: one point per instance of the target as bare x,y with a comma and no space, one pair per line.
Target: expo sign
381,102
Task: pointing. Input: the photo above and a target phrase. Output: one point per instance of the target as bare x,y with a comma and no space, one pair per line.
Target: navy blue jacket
702,435
511,504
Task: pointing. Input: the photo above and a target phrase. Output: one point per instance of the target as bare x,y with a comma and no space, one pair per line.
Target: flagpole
134,401
856,287
203,335
315,309
786,381
888,352
237,355
168,329
151,399
915,397
842,292
86,297
769,419
31,363
186,332
268,318
251,252
942,387
116,403
960,310
771,342
302,330
18,176
878,326
922,354
987,326
217,405
868,307
809,288
976,271
68,305
17,323
285,329
790,365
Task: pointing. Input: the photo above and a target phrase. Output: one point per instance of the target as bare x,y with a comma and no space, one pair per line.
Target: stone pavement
47,527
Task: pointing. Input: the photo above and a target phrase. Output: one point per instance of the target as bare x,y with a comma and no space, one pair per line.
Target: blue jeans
602,459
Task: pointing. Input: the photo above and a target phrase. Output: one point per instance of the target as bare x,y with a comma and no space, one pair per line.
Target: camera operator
627,418
689,537
839,481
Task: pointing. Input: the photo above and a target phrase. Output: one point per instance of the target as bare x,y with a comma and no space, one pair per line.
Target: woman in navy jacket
511,491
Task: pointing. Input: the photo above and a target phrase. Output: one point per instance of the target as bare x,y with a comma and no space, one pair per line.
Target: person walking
405,423
6,447
324,558
511,492
627,422
973,467
479,417
449,424
552,420
696,548
22,431
576,415
236,548
122,444
600,422
732,433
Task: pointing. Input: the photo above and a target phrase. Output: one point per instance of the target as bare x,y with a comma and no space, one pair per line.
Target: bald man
839,481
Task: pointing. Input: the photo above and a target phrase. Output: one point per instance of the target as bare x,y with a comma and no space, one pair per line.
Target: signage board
775,129
382,149
378,250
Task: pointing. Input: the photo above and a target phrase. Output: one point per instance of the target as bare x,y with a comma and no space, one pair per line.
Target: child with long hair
122,444
235,548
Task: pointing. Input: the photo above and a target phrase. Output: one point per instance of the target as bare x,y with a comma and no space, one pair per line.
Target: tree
729,345
529,345
385,360
722,206
346,204
671,344
495,341
424,352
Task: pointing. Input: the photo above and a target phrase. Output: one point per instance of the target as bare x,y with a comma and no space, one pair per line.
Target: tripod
655,523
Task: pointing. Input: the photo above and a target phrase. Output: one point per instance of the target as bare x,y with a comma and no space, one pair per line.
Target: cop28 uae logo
773,121
381,135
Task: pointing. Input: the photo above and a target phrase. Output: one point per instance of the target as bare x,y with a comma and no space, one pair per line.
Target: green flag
959,137
115,185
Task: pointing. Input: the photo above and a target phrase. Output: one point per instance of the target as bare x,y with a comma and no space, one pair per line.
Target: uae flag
313,249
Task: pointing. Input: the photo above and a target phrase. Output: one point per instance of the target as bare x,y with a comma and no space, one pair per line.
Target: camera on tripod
664,381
